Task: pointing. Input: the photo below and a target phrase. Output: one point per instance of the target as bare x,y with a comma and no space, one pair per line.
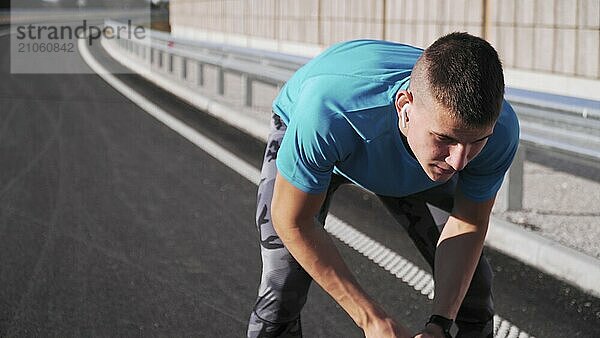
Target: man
413,127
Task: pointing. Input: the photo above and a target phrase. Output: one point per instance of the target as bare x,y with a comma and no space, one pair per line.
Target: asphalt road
111,224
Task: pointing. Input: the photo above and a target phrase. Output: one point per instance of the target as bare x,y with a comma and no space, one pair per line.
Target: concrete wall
556,38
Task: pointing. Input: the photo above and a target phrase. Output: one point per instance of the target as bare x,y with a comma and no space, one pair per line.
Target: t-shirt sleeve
483,176
314,141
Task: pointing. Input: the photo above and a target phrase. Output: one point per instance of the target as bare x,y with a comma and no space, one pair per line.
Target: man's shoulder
348,76
373,59
360,45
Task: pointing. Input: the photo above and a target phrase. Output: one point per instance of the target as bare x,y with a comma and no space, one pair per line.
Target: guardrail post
247,88
200,74
170,56
183,68
151,56
514,186
220,81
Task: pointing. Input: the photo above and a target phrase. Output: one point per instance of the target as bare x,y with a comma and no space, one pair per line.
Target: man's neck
405,142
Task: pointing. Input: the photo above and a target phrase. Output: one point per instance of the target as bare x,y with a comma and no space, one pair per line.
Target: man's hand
385,328
431,331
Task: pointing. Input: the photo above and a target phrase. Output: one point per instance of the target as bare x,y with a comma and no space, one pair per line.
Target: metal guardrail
565,131
561,107
252,65
267,58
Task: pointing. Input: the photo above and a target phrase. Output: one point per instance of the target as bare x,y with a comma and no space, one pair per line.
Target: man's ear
403,97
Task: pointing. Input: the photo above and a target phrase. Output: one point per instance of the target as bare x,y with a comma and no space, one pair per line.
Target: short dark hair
463,73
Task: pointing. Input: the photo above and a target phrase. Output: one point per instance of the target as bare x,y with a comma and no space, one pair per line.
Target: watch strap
443,323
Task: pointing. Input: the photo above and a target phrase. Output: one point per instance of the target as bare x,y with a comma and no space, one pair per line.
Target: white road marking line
409,273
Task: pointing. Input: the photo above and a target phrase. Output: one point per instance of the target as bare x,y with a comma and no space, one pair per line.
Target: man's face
440,143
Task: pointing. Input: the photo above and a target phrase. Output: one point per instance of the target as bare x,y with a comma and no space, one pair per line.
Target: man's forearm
314,250
456,258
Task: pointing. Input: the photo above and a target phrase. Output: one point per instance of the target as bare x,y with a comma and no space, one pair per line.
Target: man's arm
458,252
293,215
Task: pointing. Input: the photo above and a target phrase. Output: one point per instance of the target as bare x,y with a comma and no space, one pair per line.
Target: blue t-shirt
340,116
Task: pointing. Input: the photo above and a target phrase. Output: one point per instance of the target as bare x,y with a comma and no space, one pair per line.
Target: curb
555,259
546,255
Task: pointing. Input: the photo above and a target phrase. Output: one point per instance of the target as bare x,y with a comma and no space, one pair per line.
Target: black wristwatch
443,323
